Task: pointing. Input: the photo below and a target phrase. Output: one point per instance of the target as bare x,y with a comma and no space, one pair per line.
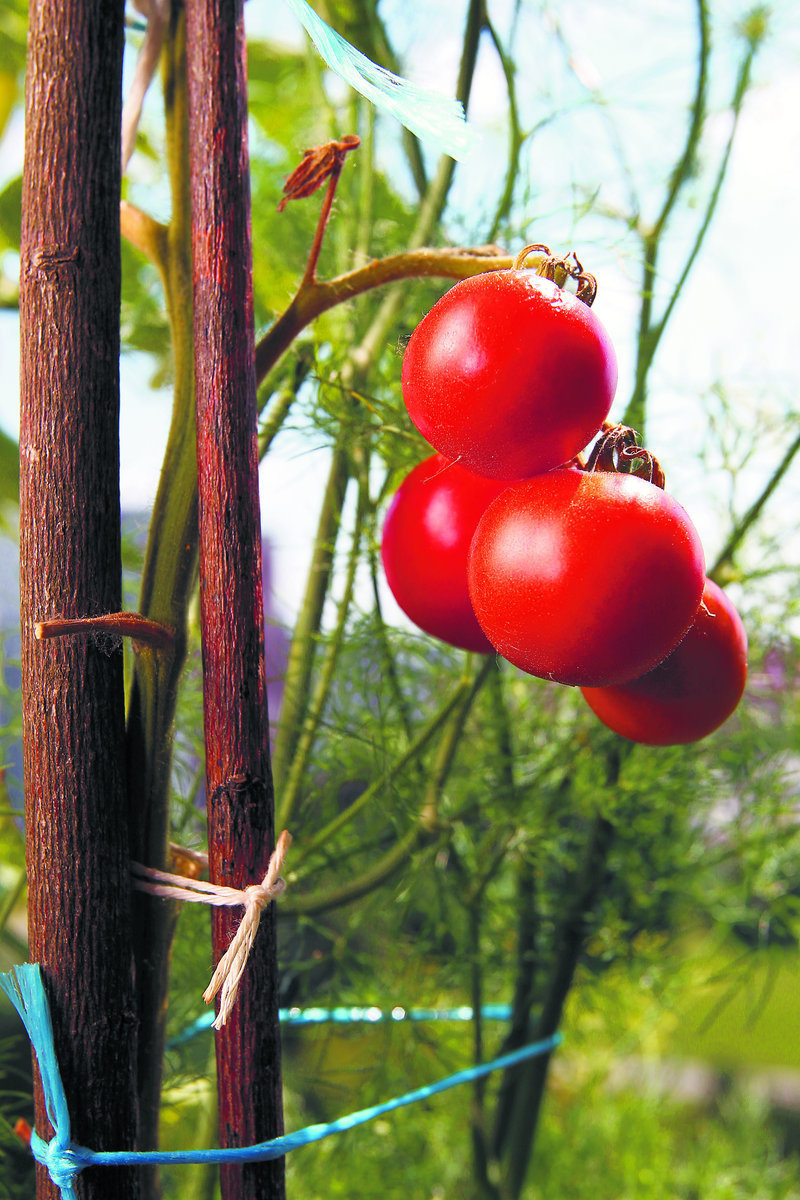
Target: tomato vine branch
315,298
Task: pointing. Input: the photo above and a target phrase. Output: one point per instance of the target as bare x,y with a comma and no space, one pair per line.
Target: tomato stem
559,269
617,450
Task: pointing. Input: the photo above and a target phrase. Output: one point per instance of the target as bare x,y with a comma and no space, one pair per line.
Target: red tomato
585,578
426,538
509,375
690,693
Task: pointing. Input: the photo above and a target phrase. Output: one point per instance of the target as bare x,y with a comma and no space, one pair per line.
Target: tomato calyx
559,270
617,450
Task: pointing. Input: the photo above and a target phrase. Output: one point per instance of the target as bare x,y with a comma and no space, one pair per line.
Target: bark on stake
240,800
72,688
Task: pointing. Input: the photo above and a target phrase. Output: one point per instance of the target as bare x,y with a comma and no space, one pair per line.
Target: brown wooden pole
72,687
238,774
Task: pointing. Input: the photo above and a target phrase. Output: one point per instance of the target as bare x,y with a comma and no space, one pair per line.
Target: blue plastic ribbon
371,1015
436,119
25,990
65,1160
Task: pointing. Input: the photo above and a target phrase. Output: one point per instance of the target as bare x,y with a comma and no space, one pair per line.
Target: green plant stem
281,405
388,664
515,1142
515,134
650,336
167,581
199,1181
649,333
721,568
301,651
314,709
457,709
480,1156
324,835
448,747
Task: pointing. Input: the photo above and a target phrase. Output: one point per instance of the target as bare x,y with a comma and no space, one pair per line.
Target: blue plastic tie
65,1160
342,1015
435,118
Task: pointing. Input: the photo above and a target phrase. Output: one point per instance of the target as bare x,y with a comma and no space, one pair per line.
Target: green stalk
313,711
387,659
324,835
648,336
515,1141
650,331
361,885
724,560
301,651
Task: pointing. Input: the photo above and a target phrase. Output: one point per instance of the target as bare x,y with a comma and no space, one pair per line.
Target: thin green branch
646,342
516,1141
742,85
457,709
516,138
326,899
370,794
649,342
301,651
724,559
387,659
281,405
316,706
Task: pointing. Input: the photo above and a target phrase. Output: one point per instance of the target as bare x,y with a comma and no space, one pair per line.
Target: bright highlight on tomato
426,538
509,375
689,694
585,578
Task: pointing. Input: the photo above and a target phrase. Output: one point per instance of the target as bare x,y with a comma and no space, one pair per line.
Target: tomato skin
426,539
585,578
509,375
692,692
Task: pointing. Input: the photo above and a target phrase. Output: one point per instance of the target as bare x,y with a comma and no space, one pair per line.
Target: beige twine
254,899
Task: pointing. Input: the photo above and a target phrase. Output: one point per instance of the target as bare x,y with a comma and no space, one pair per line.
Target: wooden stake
239,784
73,704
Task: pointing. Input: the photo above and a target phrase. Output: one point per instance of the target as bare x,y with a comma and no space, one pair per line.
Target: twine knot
254,899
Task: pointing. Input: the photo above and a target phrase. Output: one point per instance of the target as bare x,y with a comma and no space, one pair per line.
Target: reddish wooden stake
72,689
238,774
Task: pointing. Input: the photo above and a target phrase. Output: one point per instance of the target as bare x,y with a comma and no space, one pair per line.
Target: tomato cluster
508,541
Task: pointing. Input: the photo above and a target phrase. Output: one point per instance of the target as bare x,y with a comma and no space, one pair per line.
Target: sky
737,319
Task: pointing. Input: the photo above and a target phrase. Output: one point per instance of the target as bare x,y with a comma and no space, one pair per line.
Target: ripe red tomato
690,693
585,578
426,538
509,375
